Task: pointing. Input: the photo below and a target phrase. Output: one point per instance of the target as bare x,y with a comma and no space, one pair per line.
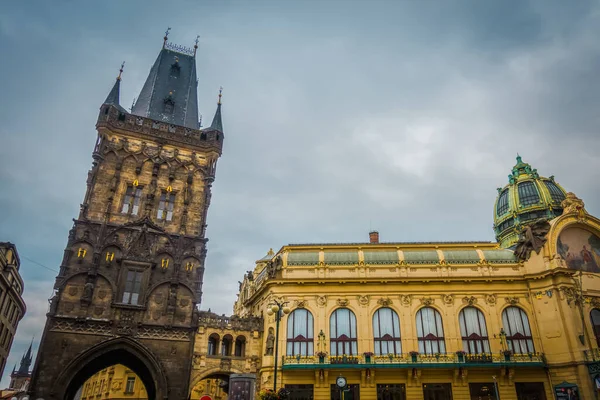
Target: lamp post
279,309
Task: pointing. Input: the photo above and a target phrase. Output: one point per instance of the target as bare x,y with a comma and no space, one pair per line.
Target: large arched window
473,331
430,331
342,329
300,333
386,332
213,344
595,315
518,332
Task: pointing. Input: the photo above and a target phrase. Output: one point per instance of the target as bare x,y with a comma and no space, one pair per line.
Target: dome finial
519,160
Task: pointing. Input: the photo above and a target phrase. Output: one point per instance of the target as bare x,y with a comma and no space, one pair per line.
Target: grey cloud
399,116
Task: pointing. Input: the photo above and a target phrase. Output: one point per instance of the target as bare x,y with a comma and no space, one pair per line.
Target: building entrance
437,391
300,392
391,392
530,391
350,392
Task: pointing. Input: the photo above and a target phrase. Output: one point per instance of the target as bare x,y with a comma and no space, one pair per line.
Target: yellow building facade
115,383
517,319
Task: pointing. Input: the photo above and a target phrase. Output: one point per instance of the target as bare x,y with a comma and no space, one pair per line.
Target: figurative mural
580,249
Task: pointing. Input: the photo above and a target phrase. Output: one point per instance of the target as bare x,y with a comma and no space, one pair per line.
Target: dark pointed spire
26,361
114,95
217,123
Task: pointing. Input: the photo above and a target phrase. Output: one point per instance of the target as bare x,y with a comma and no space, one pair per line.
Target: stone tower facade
132,270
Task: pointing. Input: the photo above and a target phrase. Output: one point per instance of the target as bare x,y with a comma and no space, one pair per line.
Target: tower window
133,286
555,193
131,202
165,206
169,104
528,194
502,206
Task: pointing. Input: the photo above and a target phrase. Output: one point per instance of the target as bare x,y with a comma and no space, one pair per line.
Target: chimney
373,237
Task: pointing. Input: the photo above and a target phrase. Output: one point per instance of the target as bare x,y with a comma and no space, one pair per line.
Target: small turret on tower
217,123
113,97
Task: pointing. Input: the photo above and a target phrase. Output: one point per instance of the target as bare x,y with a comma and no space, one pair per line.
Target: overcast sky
339,117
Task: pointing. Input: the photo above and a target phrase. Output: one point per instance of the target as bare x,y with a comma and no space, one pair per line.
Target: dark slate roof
170,92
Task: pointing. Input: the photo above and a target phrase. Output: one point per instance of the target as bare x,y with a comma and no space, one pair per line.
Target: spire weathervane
121,70
196,44
166,37
220,94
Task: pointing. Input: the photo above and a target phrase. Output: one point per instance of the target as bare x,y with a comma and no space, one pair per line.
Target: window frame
296,340
130,379
516,338
166,206
474,339
346,342
395,340
430,338
137,267
529,193
595,327
132,200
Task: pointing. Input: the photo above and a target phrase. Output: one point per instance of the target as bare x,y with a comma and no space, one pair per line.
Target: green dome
527,197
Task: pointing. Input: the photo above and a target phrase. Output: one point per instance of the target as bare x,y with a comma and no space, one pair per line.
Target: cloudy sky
401,116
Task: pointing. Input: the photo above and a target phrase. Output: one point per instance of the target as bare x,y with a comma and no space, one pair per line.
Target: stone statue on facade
533,238
270,343
88,291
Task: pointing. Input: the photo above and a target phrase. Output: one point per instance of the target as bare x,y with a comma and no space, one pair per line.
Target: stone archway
123,351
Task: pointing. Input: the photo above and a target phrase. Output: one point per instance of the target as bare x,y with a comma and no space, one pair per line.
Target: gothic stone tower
131,274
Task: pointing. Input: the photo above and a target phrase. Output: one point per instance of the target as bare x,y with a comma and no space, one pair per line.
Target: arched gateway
123,351
132,270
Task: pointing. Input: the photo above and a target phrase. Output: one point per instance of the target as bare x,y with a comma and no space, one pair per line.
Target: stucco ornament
533,238
342,302
573,204
469,300
405,299
427,301
448,299
363,300
491,299
385,301
321,301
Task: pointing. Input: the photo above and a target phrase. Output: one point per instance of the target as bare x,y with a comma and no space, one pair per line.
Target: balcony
414,361
591,355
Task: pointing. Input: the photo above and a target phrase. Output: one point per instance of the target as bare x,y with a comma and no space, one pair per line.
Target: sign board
566,391
206,398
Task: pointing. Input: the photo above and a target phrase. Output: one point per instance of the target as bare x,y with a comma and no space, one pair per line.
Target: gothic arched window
595,316
473,331
342,331
518,332
430,331
386,332
300,333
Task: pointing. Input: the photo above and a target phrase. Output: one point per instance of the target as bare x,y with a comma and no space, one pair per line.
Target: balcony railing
414,360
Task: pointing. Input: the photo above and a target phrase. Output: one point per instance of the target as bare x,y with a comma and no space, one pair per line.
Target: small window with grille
502,206
555,193
528,194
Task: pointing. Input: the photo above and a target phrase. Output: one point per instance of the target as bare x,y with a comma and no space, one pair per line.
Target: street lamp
279,309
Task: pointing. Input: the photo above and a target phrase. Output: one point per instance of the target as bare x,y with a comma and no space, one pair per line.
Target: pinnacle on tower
114,95
217,123
26,361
